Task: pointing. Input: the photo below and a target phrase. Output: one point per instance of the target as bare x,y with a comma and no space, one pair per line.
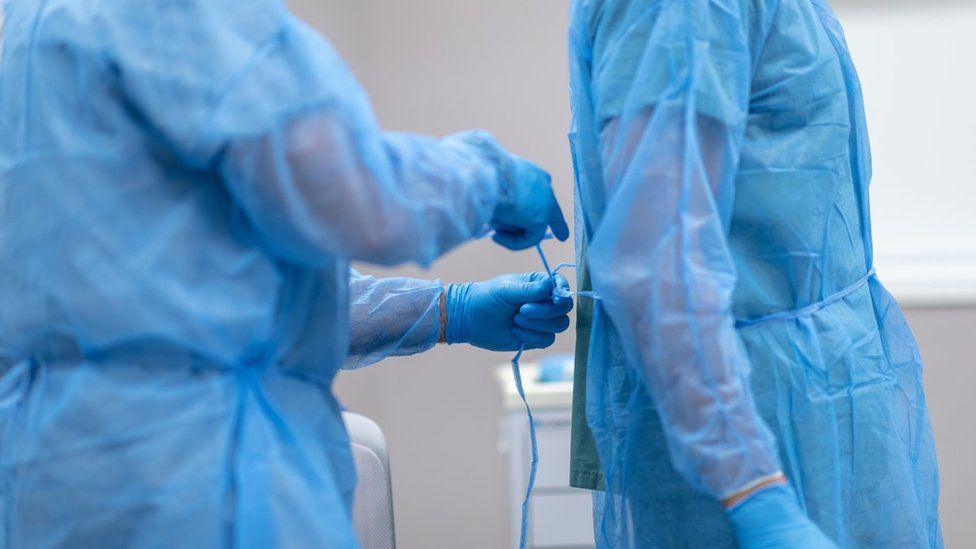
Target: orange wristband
775,479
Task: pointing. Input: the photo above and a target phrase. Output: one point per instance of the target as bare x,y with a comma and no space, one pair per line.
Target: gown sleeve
671,98
246,89
391,317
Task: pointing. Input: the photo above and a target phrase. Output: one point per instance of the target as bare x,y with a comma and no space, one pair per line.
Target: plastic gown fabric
722,215
182,185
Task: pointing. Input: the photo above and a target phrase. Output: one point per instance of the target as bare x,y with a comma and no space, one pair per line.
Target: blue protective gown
182,186
722,214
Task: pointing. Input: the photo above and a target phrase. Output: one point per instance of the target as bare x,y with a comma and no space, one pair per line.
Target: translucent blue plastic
182,187
723,168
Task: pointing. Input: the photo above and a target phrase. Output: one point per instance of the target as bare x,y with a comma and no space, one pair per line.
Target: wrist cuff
455,304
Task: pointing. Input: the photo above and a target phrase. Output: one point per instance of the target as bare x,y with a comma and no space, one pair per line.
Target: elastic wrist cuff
454,305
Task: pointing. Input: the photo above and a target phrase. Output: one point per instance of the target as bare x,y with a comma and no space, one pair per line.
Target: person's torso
110,241
798,226
835,371
799,229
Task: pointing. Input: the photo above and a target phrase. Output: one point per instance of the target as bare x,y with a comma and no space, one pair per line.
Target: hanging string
517,374
534,466
545,263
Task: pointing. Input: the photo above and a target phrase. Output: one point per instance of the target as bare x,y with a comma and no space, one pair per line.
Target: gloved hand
772,518
527,208
506,312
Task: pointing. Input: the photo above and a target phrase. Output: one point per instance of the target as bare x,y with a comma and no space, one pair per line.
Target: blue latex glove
506,312
772,518
527,208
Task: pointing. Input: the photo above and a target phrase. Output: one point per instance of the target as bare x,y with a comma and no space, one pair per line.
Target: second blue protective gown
723,168
182,185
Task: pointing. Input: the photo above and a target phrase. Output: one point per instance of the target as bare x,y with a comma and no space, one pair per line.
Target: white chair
373,506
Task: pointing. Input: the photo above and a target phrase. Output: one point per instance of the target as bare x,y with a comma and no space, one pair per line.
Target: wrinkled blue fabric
772,519
722,170
182,187
391,317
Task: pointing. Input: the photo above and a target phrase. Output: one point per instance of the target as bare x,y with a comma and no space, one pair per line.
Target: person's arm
660,259
391,317
246,90
404,316
330,181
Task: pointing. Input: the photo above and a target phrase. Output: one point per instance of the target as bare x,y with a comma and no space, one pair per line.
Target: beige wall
439,66
947,338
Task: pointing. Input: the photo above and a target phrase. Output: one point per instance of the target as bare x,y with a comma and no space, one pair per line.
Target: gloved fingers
514,240
551,306
534,287
505,227
533,339
545,325
557,221
519,239
542,276
544,310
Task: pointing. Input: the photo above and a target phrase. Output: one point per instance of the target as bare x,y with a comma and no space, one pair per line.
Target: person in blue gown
183,186
743,377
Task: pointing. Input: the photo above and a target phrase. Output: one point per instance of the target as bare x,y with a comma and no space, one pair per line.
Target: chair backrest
373,505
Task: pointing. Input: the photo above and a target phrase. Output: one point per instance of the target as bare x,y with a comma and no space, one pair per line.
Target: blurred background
440,66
